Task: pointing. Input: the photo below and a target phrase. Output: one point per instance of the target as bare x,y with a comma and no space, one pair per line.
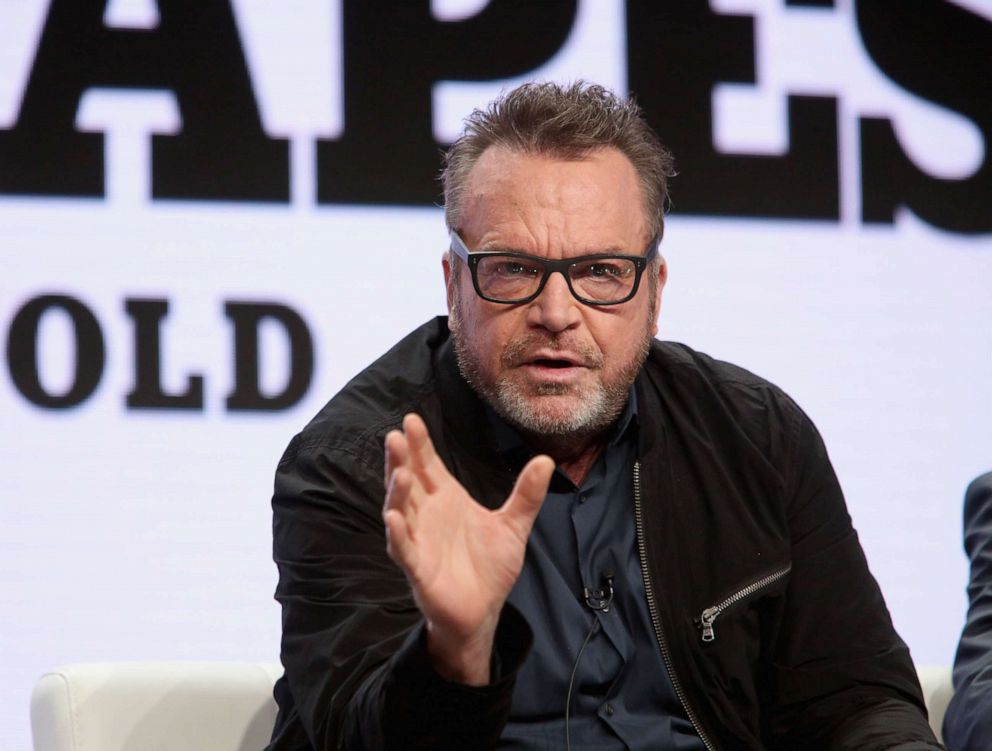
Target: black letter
221,153
247,394
394,52
22,351
943,53
147,392
677,50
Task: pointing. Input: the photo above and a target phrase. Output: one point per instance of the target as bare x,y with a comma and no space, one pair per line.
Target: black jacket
736,489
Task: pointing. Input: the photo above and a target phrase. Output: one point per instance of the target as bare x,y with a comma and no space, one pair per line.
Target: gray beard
596,412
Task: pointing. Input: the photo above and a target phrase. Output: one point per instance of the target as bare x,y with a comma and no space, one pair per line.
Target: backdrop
212,214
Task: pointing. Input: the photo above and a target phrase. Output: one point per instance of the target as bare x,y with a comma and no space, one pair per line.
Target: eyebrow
609,251
612,250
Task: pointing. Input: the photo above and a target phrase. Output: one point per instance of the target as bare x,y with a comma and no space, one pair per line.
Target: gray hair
561,121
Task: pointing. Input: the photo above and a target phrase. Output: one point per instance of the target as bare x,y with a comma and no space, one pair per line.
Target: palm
465,557
461,559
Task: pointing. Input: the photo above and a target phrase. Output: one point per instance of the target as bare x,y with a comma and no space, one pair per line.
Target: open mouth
550,363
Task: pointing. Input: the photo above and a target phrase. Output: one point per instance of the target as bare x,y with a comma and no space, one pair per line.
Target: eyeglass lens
511,278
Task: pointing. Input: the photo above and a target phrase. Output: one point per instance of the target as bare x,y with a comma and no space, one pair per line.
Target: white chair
208,706
155,706
937,693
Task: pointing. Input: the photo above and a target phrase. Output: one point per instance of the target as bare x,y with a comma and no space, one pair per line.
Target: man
673,565
968,722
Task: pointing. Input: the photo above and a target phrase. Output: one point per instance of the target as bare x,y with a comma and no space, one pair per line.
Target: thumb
528,493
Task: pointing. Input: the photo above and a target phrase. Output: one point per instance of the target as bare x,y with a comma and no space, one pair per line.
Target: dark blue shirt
622,696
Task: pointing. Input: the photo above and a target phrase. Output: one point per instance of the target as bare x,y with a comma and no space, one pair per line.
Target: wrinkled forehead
594,199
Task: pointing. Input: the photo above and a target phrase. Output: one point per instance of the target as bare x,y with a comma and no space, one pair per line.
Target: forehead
546,204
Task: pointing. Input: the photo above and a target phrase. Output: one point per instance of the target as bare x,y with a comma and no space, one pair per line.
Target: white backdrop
144,534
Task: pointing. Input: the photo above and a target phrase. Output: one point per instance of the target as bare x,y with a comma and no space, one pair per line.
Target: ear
448,280
660,281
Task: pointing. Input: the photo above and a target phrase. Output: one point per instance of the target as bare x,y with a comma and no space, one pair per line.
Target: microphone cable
600,601
571,679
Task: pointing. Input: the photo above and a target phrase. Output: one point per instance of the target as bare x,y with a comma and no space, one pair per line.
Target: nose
555,309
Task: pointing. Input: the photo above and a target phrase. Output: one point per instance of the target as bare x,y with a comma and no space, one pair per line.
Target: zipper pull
706,623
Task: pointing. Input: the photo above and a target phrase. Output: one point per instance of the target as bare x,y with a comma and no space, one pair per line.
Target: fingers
397,454
412,447
529,492
405,481
399,546
395,512
399,491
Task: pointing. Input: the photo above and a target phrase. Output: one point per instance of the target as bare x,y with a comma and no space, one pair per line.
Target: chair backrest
209,706
937,692
155,706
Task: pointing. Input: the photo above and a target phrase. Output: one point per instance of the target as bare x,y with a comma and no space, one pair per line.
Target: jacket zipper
709,615
653,610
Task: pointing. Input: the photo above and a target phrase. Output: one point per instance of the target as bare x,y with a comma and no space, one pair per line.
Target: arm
346,609
968,722
358,673
843,677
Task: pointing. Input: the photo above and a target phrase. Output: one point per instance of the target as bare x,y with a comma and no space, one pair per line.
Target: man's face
553,366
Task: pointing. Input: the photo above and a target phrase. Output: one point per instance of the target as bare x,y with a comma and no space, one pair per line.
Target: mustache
523,349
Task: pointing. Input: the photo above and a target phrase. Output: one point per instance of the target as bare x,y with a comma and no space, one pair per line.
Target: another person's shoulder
978,496
968,722
978,522
357,418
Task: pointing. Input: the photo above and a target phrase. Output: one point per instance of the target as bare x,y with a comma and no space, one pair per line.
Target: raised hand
460,558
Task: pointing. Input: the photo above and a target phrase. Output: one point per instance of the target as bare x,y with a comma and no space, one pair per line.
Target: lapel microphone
600,599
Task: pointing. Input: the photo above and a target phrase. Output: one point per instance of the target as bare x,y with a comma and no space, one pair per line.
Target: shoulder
744,420
978,515
688,361
979,494
682,374
357,418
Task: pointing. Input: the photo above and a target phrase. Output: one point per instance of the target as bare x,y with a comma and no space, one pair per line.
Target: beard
535,409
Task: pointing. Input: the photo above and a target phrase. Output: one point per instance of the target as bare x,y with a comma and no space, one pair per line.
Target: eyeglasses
515,278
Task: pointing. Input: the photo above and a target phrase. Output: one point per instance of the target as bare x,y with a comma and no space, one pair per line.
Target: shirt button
583,497
609,710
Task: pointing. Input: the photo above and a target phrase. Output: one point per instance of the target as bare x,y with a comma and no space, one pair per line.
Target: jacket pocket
705,621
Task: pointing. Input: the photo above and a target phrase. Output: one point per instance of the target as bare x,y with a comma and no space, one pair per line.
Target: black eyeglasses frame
561,266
